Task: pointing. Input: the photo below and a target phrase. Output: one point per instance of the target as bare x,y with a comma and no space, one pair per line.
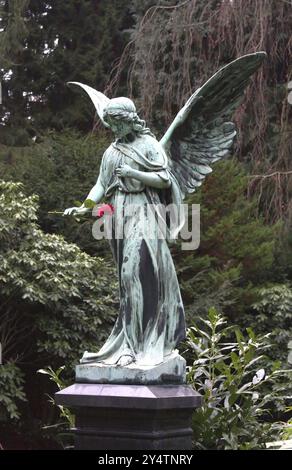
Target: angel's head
120,114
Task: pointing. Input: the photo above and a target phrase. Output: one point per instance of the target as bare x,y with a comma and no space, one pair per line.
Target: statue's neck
127,139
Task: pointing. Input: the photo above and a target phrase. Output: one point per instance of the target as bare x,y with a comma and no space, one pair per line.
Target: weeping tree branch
276,173
175,48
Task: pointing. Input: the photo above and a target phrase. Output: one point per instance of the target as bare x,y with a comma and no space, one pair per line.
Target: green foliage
56,42
11,391
237,391
60,430
14,29
55,377
89,204
274,314
236,252
69,294
287,428
60,170
57,301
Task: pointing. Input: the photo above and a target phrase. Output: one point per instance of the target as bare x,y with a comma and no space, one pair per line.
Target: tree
59,42
199,37
56,301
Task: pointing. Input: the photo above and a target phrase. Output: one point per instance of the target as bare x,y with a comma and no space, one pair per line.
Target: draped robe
151,319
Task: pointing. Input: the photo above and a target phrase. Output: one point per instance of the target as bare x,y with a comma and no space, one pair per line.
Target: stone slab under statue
171,371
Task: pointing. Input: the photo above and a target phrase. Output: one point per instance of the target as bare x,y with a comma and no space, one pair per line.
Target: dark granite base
131,417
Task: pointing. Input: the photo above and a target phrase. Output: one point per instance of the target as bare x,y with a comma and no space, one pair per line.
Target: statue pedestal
131,417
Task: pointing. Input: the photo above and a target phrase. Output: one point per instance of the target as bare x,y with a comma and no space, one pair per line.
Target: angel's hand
124,170
76,211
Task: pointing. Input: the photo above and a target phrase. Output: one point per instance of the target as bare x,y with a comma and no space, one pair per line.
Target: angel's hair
124,109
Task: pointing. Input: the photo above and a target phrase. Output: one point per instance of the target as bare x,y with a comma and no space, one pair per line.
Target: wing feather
202,132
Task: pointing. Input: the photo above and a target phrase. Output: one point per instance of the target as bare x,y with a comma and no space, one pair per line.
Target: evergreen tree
236,252
56,301
78,40
60,170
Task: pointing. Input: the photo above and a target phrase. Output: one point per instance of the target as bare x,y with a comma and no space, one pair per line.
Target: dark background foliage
58,286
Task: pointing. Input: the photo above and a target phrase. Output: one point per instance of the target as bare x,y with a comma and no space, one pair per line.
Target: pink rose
104,209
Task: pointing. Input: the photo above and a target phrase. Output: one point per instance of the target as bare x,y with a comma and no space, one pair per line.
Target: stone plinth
132,417
171,371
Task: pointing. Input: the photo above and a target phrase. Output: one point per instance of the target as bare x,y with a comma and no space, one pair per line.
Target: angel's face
120,127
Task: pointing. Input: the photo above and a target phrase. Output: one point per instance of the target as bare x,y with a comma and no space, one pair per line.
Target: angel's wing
99,100
202,133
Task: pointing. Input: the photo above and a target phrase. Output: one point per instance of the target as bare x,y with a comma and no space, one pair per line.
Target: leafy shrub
55,377
56,301
237,390
274,314
61,169
287,429
11,391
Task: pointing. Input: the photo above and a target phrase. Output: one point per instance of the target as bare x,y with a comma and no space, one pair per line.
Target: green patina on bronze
138,170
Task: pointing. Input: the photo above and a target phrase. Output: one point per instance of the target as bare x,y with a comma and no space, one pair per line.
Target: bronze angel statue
139,170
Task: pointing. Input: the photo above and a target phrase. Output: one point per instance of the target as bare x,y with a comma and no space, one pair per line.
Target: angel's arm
95,194
150,178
